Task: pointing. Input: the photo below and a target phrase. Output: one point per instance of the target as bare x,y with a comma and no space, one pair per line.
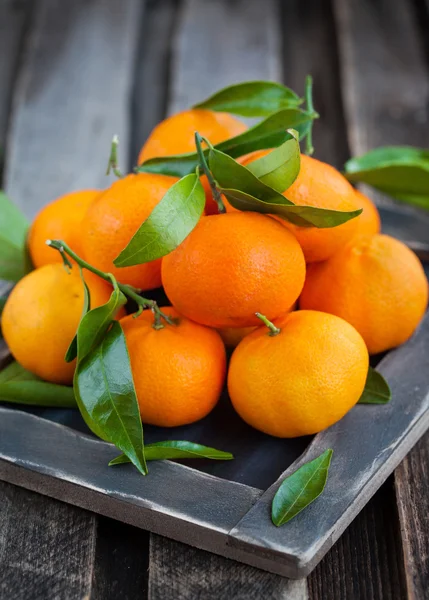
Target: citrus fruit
178,370
232,336
112,220
375,283
41,317
302,380
319,184
231,266
176,135
368,222
59,220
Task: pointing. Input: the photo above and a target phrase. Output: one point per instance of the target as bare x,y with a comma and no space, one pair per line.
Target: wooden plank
309,48
46,547
181,572
72,94
386,91
217,43
13,19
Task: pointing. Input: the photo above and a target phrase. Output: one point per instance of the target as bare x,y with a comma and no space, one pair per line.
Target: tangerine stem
204,166
113,158
273,330
129,291
309,148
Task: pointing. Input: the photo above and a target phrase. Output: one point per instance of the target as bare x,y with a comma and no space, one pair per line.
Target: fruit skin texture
319,184
231,266
302,380
178,371
41,317
59,220
176,135
114,218
369,222
375,283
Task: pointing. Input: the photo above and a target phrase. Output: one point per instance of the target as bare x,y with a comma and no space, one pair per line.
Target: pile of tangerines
301,307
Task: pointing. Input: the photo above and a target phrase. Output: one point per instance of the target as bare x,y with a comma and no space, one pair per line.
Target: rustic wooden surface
75,73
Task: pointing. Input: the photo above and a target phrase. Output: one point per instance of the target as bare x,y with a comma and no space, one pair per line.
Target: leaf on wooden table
377,390
269,133
252,99
104,384
14,260
17,385
300,489
246,192
400,171
169,223
172,449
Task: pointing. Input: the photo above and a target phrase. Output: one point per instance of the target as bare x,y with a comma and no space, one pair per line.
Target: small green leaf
104,384
252,99
92,328
17,385
300,489
376,390
280,167
400,171
170,450
14,261
270,133
72,349
170,222
249,193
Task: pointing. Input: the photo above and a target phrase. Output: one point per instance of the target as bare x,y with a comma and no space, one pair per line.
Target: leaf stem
129,291
273,330
113,158
204,166
309,148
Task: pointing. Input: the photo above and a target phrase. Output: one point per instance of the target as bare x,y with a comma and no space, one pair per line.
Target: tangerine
178,370
377,284
42,314
112,220
300,380
231,266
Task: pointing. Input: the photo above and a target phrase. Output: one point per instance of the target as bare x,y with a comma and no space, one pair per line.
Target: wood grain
181,572
46,547
386,93
72,95
309,47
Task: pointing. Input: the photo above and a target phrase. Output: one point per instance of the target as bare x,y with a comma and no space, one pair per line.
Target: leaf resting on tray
300,489
171,449
376,390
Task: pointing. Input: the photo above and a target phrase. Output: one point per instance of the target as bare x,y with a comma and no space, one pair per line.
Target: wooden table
73,73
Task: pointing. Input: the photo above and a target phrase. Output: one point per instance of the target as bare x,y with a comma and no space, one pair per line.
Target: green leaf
92,328
270,133
252,99
14,261
17,385
170,450
300,489
170,222
106,389
72,349
400,171
376,390
249,193
280,167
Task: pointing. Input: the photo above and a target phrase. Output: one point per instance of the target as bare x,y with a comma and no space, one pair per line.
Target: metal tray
224,507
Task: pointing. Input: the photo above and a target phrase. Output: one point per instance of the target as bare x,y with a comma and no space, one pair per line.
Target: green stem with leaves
113,158
205,168
272,329
309,148
128,290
